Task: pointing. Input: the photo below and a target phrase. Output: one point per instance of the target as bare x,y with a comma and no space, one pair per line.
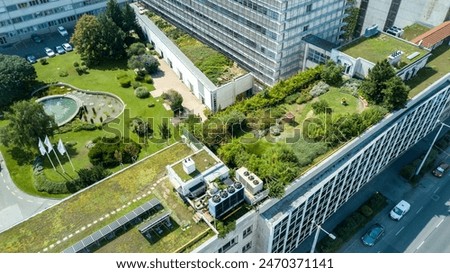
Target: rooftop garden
379,47
203,161
414,30
83,214
283,131
436,68
216,66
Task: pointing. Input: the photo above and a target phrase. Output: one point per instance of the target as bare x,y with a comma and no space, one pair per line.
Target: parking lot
30,47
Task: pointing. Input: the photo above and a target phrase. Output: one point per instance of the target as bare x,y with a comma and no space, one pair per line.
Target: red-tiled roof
434,35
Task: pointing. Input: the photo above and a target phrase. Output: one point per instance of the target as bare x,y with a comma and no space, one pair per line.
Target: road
16,205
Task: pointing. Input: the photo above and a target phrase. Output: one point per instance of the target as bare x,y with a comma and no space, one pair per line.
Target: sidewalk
166,79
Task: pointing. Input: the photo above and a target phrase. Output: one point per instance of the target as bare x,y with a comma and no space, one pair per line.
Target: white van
399,210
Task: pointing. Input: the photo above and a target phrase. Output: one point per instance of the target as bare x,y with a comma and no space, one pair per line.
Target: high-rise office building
265,37
19,19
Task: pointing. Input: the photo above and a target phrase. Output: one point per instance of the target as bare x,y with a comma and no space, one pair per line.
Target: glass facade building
263,36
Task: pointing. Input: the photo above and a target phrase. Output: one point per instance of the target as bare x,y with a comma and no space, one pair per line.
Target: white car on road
399,210
62,31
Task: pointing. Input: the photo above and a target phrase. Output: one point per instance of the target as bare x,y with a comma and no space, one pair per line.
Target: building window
305,28
247,247
309,8
228,245
247,231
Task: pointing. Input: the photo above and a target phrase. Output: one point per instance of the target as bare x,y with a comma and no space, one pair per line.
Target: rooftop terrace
379,47
203,161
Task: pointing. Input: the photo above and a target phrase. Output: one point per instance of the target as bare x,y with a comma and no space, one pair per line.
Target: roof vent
216,198
223,194
237,185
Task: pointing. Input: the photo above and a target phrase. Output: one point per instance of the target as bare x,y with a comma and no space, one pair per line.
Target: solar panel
106,230
153,222
78,246
97,235
139,211
87,241
130,216
114,225
122,220
69,250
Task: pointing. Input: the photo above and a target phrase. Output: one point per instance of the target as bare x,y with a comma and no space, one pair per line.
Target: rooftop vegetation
203,161
216,66
122,191
414,30
379,47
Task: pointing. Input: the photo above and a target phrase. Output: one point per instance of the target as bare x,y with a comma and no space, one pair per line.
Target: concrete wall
427,12
215,243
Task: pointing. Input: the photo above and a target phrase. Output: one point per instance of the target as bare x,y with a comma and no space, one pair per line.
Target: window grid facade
358,171
263,36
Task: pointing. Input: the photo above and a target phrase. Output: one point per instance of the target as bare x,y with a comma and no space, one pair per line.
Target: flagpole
59,161
51,161
67,154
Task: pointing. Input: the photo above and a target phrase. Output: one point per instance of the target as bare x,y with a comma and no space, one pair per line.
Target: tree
332,73
320,107
27,122
98,38
87,177
136,49
114,13
130,22
164,130
376,81
395,94
144,61
16,76
86,39
112,38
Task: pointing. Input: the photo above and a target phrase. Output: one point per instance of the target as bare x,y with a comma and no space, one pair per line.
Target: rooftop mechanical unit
226,200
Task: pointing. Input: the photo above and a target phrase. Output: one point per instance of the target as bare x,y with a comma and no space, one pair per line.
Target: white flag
49,144
41,147
61,148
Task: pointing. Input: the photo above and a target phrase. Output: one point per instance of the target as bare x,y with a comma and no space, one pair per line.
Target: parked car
62,31
372,235
60,50
36,38
67,47
142,10
49,52
31,59
440,170
399,210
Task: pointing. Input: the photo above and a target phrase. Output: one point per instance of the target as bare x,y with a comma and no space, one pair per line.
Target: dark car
31,59
36,38
372,235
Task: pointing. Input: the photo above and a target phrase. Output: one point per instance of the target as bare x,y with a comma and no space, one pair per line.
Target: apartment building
264,37
19,18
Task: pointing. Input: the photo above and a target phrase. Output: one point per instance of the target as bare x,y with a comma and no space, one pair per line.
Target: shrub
148,79
63,73
291,99
138,77
43,61
84,69
320,107
104,150
121,75
142,92
319,89
304,98
125,82
366,211
135,84
76,64
83,63
42,184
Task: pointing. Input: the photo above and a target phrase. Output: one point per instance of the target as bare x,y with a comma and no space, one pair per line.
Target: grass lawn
379,47
203,161
98,79
46,228
437,67
414,30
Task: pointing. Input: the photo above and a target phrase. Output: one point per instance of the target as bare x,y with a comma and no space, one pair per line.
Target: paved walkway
15,205
166,79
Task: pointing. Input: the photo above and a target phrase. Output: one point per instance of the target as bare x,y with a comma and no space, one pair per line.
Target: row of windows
297,225
234,241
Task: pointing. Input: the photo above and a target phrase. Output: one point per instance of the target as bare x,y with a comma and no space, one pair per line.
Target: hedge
345,230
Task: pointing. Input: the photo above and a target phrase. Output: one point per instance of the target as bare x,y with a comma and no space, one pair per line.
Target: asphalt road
15,205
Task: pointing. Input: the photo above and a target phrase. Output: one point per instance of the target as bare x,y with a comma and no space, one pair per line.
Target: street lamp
431,146
316,236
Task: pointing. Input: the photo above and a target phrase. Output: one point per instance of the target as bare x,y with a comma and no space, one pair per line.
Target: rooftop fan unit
237,185
246,173
223,194
251,178
216,198
231,189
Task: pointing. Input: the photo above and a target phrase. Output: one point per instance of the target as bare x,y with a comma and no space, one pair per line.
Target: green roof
203,161
379,47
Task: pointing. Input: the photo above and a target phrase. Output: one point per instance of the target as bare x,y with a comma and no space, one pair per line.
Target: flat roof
380,46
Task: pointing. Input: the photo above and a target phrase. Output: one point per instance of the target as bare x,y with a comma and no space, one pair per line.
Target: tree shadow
158,74
21,156
111,65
